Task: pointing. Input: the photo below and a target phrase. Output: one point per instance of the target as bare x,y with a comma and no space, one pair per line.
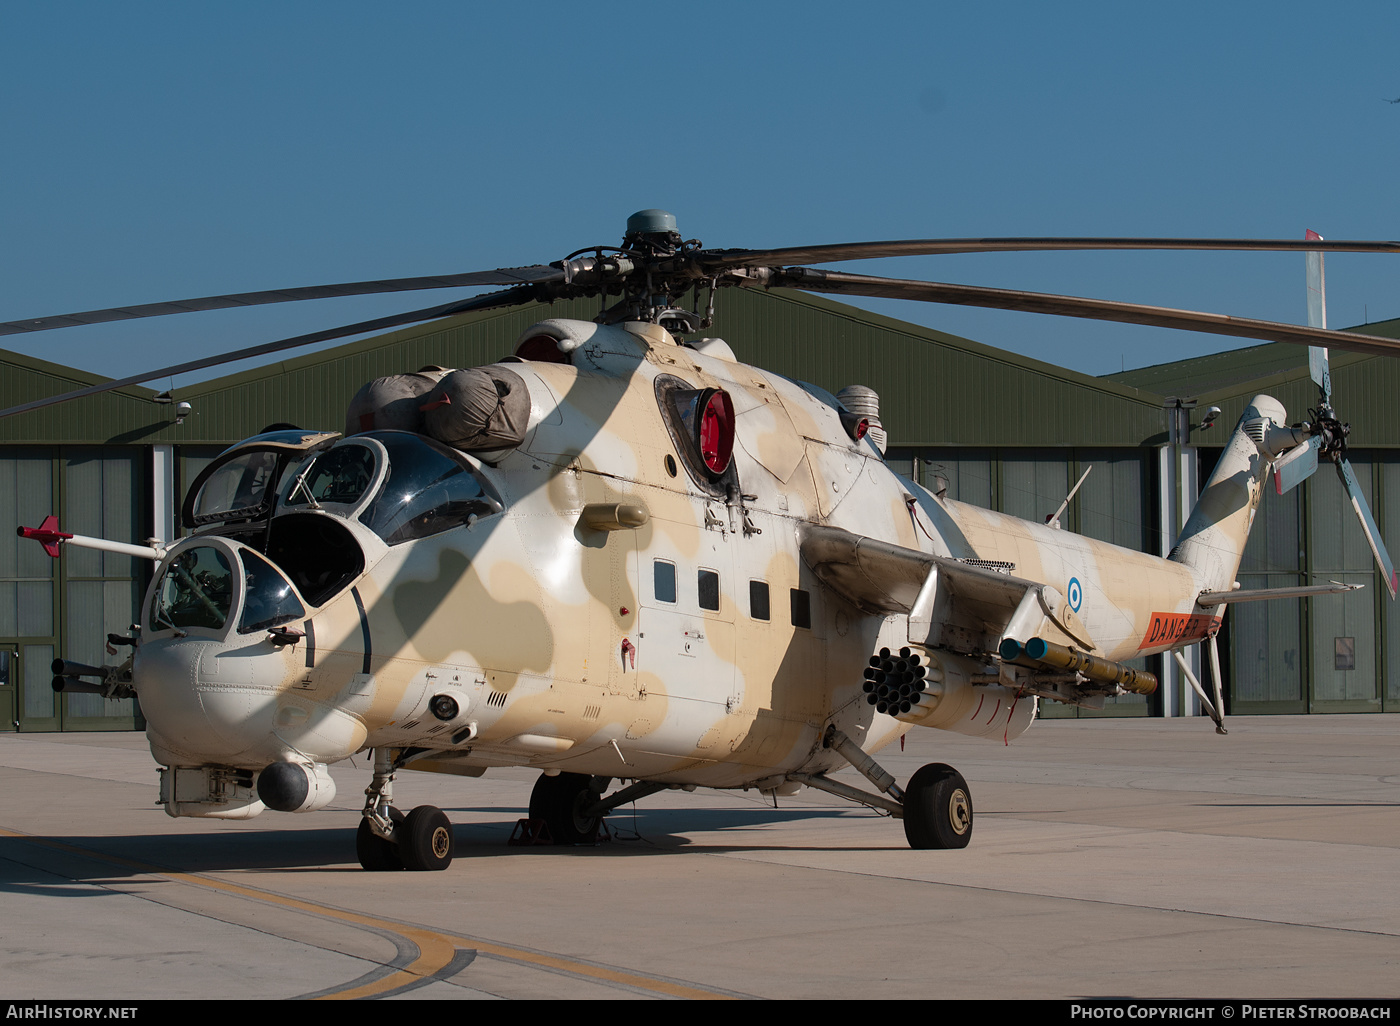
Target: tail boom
1212,542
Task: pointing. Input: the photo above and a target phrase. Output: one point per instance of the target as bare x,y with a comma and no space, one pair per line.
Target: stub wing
950,603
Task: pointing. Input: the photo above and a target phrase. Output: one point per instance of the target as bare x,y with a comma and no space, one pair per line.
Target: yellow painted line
436,949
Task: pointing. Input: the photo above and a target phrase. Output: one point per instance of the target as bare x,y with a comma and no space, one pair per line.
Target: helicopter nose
208,701
236,704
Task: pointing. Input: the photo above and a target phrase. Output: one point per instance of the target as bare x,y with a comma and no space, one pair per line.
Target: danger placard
1171,628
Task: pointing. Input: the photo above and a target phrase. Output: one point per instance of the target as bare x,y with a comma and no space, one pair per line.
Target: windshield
241,482
342,475
428,489
268,600
196,591
238,489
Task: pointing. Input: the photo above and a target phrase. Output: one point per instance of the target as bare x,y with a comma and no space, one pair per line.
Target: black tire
426,845
937,808
559,801
375,853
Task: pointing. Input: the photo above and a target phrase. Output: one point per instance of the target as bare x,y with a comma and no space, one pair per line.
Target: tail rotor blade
1317,318
1321,372
1297,466
1368,524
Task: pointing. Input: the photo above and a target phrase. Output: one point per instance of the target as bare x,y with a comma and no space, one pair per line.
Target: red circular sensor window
715,430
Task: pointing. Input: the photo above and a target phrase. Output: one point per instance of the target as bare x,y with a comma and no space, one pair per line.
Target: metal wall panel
1345,625
1264,660
1112,502
1033,484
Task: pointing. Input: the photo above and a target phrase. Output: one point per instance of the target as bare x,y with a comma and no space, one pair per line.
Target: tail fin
1214,537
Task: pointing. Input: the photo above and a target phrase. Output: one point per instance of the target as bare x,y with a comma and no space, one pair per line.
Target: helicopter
620,555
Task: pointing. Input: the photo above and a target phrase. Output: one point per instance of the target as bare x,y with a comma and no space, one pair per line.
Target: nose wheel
425,840
421,841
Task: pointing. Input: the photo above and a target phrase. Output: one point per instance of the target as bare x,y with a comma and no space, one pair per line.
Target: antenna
1053,520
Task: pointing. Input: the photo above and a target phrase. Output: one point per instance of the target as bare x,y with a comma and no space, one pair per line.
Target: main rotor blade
536,274
510,297
720,259
1368,524
814,280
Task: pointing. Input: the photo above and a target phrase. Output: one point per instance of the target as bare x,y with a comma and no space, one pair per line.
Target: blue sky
158,151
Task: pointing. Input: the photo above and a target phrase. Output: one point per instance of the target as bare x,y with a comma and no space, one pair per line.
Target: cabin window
801,608
664,581
758,600
709,590
238,489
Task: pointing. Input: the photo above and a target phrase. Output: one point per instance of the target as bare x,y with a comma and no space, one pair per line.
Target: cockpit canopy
201,588
293,495
398,484
241,483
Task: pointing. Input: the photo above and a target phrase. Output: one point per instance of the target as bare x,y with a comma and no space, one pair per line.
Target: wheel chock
530,832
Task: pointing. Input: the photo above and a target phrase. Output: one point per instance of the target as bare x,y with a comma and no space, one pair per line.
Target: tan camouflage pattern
556,648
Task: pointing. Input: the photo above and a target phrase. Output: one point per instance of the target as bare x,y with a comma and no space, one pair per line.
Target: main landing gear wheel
937,808
425,842
560,801
376,854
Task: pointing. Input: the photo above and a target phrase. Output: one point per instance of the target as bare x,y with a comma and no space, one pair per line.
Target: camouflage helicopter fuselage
616,613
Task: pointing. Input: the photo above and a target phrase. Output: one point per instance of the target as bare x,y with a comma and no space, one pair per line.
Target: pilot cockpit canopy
202,587
399,484
427,488
241,483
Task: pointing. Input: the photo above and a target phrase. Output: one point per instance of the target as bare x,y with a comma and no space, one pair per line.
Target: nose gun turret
113,681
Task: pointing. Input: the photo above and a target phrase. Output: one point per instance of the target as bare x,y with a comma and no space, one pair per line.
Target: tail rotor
1327,435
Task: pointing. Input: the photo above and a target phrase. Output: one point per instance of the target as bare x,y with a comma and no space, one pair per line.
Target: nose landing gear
387,840
378,854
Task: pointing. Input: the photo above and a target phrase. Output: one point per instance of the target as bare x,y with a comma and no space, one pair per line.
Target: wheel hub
441,842
959,811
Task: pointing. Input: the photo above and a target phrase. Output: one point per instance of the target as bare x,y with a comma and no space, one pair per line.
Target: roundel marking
1075,593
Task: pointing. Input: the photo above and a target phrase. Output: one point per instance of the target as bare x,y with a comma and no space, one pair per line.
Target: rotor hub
653,230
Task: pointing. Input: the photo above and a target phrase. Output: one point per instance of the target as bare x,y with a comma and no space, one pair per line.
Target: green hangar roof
1364,388
935,388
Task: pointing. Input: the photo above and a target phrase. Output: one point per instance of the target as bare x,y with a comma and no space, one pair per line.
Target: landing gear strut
388,840
936,805
378,854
